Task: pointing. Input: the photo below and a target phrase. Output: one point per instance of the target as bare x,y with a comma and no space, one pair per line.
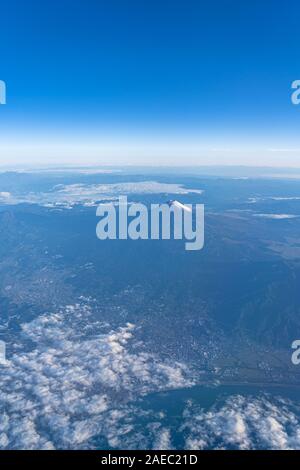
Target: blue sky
125,81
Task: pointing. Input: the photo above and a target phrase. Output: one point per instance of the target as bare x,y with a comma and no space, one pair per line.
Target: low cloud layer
243,423
66,196
76,385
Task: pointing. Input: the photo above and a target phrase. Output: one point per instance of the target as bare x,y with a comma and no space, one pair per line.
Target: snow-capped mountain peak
179,205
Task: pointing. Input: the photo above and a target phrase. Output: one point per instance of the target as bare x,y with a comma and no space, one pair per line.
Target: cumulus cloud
77,383
163,440
74,384
243,423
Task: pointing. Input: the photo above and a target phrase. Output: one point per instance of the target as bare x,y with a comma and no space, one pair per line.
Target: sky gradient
160,82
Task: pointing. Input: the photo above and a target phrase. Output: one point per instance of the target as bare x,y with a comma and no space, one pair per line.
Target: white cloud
4,195
66,196
243,423
276,216
253,200
290,198
163,440
72,386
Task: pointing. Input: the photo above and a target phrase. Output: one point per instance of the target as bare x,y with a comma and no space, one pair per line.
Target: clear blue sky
121,80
